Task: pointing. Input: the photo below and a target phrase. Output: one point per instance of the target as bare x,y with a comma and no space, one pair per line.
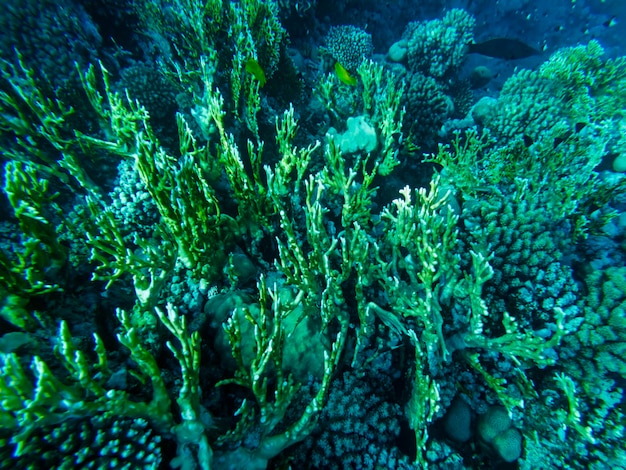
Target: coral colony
311,235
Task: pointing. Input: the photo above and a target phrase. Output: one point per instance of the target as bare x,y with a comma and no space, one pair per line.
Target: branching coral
436,48
577,84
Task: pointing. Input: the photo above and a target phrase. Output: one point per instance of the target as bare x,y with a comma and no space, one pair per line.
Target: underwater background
315,234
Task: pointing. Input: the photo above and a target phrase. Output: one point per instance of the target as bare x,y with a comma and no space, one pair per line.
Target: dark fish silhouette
503,48
579,126
528,140
610,22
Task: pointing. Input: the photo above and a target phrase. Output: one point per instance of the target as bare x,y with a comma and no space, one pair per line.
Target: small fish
579,126
344,75
610,22
528,140
503,48
253,67
606,164
559,140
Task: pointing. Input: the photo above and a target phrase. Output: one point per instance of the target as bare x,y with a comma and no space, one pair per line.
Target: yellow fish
253,67
344,75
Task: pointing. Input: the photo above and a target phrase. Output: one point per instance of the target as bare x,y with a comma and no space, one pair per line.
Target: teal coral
427,107
51,38
528,105
437,47
601,339
529,276
575,85
94,441
358,426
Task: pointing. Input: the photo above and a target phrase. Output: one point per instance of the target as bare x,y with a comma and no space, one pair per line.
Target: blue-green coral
577,84
437,47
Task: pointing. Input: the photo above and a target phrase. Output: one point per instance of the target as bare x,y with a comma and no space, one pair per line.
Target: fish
610,22
503,48
559,140
344,75
579,126
528,140
253,68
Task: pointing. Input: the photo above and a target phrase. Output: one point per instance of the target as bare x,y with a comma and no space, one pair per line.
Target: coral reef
197,272
50,36
572,86
601,339
530,279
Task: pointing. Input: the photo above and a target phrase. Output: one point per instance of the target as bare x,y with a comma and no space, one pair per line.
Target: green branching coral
587,81
559,170
413,228
40,397
226,35
190,225
37,126
378,97
29,269
184,231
